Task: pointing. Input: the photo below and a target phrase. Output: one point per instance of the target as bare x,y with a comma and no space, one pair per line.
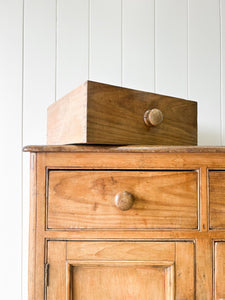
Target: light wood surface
204,267
32,226
57,271
98,113
115,115
185,270
217,199
85,199
145,282
133,270
219,263
121,251
188,262
153,117
121,149
124,200
68,116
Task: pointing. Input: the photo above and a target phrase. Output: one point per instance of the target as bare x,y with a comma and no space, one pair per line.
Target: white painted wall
48,47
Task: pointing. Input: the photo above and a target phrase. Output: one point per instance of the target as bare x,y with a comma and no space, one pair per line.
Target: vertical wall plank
171,47
11,24
39,91
105,41
39,67
72,45
138,44
222,28
204,67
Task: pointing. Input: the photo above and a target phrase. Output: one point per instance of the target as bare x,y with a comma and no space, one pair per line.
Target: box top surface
125,149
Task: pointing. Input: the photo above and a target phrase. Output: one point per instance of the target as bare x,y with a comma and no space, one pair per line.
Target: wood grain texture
98,113
143,235
119,282
121,270
203,205
191,251
57,270
185,270
85,199
219,269
131,161
124,251
115,116
204,268
217,199
126,149
32,226
67,118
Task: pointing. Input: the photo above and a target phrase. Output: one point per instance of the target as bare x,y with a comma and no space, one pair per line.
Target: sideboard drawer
85,199
217,199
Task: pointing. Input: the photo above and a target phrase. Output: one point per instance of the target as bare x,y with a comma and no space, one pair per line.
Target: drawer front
217,199
85,199
116,116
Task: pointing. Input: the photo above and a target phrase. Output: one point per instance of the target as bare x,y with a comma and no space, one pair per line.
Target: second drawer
86,199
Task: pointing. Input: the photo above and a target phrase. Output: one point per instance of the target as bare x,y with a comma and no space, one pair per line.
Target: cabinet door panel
118,280
217,199
219,270
134,270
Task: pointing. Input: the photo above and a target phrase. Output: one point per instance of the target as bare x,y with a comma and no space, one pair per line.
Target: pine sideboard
132,222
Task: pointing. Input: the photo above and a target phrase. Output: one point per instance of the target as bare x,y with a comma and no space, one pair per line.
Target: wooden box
97,113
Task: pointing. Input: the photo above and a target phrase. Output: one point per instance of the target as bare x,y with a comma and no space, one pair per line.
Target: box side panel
66,118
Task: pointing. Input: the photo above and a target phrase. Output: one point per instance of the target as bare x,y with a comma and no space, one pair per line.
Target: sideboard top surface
126,149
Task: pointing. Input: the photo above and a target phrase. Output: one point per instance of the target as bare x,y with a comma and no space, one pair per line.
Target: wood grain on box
98,113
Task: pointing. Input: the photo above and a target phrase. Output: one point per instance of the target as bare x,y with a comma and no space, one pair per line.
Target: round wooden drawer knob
153,117
124,200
